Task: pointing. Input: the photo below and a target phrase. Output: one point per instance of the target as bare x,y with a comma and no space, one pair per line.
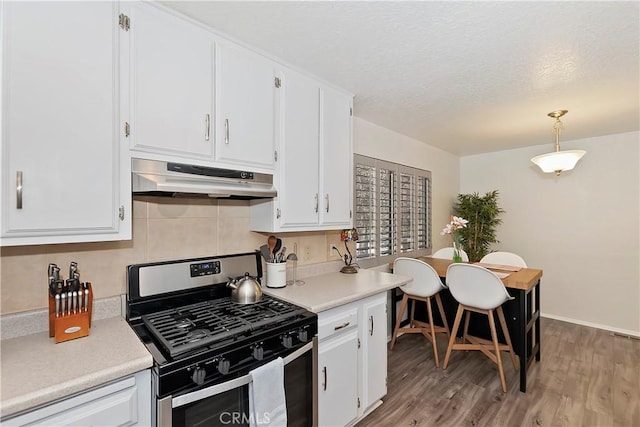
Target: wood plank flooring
586,377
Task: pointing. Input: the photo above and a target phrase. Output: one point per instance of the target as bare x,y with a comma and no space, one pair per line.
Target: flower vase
457,247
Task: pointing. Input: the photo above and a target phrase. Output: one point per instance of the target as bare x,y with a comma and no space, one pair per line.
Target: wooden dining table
522,313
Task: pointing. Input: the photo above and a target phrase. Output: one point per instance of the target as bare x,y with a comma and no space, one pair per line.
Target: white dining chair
504,258
447,253
425,284
479,290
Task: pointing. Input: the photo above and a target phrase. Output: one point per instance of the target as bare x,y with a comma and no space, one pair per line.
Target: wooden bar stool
478,289
426,284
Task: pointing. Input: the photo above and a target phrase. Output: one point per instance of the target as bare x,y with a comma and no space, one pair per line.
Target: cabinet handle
324,383
371,330
327,200
18,189
315,198
207,127
226,131
344,325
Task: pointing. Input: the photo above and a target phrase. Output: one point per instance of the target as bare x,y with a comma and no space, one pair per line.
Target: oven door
228,403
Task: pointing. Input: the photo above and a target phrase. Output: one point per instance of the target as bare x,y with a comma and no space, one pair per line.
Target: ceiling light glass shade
559,161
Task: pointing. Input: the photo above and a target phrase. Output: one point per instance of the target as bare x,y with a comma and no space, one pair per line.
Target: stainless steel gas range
204,345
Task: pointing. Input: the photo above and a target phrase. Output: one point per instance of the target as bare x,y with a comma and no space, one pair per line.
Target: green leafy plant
483,213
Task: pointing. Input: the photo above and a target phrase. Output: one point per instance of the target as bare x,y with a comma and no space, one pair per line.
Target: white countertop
326,291
35,370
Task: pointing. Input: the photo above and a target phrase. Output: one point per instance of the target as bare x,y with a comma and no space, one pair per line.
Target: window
392,210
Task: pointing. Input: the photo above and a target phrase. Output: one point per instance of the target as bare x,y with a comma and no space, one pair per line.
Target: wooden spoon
271,242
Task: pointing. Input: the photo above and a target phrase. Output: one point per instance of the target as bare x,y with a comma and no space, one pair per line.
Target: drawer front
124,402
334,321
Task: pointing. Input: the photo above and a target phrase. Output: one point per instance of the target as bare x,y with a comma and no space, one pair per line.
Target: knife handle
57,305
63,303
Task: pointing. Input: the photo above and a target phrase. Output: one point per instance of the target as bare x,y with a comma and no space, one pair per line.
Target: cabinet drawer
336,321
125,402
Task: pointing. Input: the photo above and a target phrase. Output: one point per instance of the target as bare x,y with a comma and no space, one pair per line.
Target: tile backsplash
163,228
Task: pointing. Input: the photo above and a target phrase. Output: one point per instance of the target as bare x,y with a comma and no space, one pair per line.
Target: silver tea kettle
245,290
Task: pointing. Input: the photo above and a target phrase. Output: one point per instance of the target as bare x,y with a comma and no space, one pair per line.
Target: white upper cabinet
336,159
245,104
63,179
171,78
315,157
298,154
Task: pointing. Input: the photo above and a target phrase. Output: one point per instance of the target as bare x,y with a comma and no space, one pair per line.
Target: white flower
456,224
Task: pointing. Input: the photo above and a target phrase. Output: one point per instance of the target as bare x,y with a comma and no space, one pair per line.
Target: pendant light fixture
558,161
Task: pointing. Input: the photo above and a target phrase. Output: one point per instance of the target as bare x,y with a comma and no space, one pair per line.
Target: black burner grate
194,326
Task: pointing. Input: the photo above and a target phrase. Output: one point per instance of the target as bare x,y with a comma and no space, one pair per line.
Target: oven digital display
205,268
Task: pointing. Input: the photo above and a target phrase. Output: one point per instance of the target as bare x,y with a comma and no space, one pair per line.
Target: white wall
581,228
375,141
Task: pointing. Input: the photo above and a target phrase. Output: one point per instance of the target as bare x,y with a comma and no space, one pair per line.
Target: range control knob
198,375
258,352
287,341
223,366
302,335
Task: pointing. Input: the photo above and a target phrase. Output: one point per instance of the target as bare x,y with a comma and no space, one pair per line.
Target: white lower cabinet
374,369
125,402
352,360
338,379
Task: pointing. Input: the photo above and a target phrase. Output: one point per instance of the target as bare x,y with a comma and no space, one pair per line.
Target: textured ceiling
468,77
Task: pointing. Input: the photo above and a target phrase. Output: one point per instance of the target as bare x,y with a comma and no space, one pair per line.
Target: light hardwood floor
586,377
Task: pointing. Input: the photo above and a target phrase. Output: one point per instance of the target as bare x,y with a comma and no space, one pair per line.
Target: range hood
158,178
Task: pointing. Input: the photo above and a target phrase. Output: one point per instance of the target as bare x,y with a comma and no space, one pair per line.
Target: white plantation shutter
392,210
386,219
365,210
423,213
406,192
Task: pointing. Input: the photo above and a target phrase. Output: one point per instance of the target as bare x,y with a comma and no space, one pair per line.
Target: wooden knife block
71,326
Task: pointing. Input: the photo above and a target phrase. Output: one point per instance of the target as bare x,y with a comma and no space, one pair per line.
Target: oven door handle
188,398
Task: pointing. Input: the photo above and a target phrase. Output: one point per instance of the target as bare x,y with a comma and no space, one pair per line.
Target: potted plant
482,214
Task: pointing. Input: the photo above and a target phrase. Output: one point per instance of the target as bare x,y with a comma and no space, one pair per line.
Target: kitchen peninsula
351,355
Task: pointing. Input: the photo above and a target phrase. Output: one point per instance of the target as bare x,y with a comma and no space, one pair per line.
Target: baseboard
593,325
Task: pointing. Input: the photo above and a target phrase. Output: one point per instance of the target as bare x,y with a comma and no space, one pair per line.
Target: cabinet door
336,159
338,379
171,79
60,132
245,129
298,162
374,350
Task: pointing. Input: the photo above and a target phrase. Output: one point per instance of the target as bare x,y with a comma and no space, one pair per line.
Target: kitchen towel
267,405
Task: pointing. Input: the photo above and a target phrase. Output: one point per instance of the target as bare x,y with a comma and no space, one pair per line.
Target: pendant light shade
558,161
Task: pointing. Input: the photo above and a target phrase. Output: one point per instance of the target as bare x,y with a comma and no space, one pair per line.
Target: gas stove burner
213,322
197,334
184,323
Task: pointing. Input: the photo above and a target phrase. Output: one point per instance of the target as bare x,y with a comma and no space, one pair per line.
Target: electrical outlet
306,253
333,251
